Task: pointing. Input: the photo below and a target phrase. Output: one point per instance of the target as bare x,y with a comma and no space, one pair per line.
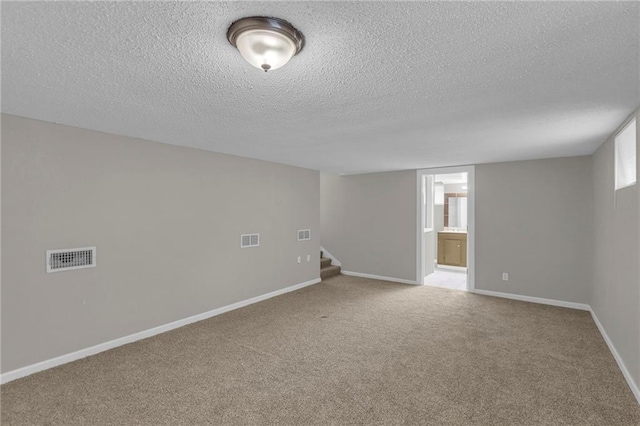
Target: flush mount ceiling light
266,43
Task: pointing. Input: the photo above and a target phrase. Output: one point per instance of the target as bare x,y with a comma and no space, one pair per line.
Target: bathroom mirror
455,215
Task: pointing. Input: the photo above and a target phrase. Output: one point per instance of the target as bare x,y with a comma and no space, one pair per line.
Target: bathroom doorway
445,232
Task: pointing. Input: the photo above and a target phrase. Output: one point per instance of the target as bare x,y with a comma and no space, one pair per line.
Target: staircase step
324,262
329,271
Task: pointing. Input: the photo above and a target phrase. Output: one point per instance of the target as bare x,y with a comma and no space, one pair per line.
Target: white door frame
471,221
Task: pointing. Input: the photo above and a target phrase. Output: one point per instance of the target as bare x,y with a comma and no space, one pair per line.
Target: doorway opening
445,229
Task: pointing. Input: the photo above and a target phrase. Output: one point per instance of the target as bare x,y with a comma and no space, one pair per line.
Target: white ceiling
378,86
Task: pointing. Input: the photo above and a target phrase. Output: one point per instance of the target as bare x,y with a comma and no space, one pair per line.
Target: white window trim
629,122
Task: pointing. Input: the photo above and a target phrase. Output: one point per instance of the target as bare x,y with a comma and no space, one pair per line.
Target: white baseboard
616,356
542,301
83,353
451,268
583,307
380,277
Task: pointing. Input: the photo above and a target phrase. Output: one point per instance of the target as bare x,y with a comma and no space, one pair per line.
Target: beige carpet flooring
346,351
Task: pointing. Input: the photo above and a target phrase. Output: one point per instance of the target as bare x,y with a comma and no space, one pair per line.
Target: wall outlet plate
505,276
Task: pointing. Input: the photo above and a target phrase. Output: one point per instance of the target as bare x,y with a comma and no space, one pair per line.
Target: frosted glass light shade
265,49
266,43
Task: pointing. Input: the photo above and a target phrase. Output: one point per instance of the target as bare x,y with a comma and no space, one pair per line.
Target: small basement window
625,156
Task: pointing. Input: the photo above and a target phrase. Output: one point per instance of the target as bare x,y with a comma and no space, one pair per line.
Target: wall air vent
304,234
68,259
249,240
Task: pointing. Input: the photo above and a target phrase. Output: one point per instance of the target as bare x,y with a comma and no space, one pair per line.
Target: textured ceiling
378,86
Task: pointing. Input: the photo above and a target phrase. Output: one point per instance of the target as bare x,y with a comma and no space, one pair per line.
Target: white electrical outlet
308,258
505,276
299,260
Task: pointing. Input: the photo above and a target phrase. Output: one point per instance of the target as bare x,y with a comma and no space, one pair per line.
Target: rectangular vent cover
249,240
304,234
68,259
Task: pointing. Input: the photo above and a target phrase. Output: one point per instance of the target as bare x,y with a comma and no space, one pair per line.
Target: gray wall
555,225
615,293
166,221
369,222
534,221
